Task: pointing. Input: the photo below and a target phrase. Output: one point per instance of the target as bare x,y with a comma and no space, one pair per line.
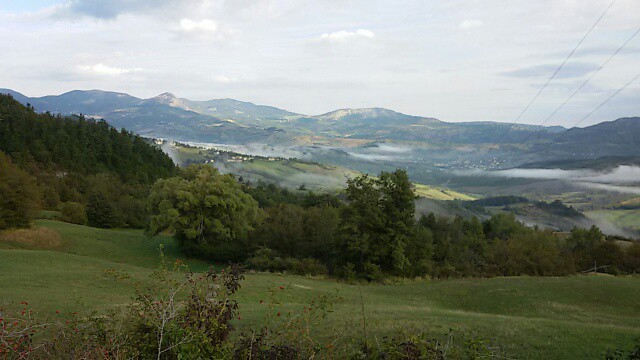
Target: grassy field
629,219
292,174
430,192
529,317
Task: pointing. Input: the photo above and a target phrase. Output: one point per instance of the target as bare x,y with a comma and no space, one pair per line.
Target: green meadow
577,317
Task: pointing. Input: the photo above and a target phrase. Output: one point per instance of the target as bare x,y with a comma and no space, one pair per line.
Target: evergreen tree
19,197
100,212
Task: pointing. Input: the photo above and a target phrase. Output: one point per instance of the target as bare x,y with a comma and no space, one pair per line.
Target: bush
74,213
100,212
266,259
19,195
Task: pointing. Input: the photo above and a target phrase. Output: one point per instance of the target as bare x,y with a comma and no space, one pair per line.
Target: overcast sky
458,60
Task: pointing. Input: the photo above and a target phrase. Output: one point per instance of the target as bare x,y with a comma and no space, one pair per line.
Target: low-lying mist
621,179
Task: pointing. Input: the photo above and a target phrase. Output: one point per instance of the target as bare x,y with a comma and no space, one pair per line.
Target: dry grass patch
33,238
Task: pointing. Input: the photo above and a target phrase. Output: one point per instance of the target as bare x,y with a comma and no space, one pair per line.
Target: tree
210,213
100,212
19,195
378,223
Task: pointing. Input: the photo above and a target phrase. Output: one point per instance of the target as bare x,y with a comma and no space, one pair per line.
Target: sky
456,60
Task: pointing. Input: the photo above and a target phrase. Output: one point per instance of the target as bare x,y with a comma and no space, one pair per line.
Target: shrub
19,196
100,212
73,212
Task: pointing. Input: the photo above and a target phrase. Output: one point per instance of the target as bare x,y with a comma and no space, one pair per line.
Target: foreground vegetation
575,317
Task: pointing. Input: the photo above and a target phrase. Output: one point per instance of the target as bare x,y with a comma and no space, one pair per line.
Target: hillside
94,172
607,139
78,144
288,173
527,317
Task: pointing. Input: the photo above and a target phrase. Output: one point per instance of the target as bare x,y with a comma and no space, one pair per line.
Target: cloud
469,24
204,25
221,79
573,70
344,35
621,175
102,69
110,9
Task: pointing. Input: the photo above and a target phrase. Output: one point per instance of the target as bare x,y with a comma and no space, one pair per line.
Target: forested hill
78,144
84,171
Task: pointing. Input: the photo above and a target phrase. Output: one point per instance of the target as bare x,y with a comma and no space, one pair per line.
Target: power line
585,82
602,104
557,70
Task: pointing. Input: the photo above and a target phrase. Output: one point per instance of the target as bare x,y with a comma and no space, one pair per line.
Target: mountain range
229,121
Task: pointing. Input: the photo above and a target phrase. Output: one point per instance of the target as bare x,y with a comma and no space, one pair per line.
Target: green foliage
19,197
558,208
271,195
73,212
209,213
100,212
266,259
372,236
378,223
72,158
78,144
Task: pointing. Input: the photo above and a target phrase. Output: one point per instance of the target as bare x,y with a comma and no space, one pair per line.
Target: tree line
370,233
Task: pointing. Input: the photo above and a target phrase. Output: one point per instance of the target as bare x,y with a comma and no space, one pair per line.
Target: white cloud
470,24
224,79
102,69
204,25
343,35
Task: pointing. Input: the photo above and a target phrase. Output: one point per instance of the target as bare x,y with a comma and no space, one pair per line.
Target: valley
447,160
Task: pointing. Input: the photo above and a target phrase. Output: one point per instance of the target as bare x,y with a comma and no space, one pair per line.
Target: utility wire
585,82
557,70
601,104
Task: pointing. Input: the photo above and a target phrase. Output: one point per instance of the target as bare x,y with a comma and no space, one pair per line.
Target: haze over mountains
357,131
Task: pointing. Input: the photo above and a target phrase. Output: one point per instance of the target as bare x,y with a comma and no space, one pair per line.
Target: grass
120,246
439,194
530,317
629,219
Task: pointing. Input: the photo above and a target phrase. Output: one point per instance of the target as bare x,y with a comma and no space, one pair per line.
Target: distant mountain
234,109
383,124
618,138
91,102
236,122
163,116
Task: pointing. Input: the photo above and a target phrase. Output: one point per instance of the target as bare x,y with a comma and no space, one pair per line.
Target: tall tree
378,222
210,213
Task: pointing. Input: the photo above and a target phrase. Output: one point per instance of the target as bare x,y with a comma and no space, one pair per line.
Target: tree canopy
210,213
19,197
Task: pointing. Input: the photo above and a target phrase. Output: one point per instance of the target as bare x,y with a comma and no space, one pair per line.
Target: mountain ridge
230,121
